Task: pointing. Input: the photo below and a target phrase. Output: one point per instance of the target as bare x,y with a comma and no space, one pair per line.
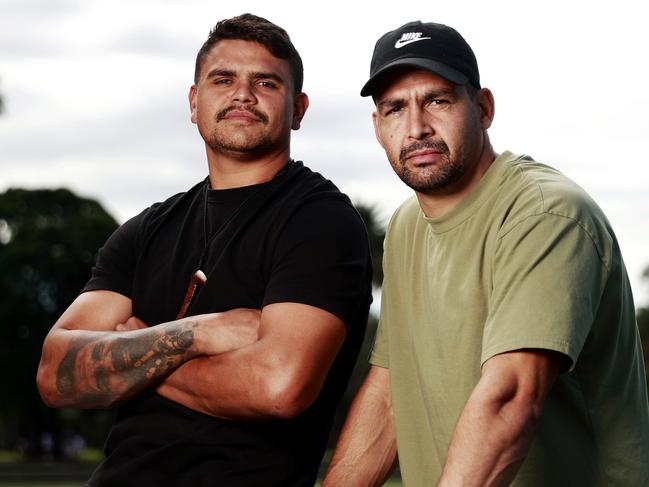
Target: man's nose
419,124
244,93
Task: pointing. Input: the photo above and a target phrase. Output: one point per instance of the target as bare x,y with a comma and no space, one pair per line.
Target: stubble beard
221,142
430,178
230,139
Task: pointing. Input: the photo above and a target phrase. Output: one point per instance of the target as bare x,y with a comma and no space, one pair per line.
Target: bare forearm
496,427
366,453
101,368
277,376
217,386
247,383
489,443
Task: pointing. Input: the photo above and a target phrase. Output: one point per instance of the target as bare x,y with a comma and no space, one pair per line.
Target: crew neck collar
475,199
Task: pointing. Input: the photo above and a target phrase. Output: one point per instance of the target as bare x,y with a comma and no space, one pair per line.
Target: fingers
223,332
133,323
244,316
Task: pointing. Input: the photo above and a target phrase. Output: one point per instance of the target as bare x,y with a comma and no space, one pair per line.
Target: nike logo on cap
409,38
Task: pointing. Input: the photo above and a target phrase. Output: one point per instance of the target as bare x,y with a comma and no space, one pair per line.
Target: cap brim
440,69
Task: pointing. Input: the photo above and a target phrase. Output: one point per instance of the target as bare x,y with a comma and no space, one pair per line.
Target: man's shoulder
307,190
160,208
533,193
312,182
530,188
158,212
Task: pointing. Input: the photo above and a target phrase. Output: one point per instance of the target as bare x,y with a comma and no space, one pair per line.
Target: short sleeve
322,259
379,355
115,266
548,279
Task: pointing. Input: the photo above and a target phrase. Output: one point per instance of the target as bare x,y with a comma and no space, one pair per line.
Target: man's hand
230,330
132,324
277,376
98,354
215,332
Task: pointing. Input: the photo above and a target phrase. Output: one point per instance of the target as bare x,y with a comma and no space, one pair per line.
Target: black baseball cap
435,47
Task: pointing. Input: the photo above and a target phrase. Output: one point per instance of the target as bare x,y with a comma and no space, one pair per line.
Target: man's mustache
223,113
440,147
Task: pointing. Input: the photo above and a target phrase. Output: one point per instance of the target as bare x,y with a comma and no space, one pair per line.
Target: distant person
507,350
258,282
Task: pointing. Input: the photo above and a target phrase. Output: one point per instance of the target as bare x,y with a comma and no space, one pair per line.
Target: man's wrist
189,338
193,325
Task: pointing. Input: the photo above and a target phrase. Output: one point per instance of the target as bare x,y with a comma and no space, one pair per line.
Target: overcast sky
96,95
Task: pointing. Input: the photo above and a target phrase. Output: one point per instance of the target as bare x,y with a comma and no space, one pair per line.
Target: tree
48,239
375,234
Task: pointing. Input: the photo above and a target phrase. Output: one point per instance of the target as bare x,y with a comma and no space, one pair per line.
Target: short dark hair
249,27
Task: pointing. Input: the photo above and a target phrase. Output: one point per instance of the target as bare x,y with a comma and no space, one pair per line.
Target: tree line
48,242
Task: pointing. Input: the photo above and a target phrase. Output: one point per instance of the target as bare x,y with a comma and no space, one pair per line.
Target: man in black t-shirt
224,322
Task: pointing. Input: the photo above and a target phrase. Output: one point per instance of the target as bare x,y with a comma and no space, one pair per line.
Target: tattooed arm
278,376
86,363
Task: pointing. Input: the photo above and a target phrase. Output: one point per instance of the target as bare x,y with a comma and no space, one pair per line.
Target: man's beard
225,141
433,177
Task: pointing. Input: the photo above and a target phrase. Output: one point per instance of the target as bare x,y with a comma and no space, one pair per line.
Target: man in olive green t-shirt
507,350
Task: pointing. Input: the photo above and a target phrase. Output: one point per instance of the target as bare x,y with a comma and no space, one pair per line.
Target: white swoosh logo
401,43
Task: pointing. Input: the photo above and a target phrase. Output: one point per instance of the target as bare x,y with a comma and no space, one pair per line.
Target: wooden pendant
198,279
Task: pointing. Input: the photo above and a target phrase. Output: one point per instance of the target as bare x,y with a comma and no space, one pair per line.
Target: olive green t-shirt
527,260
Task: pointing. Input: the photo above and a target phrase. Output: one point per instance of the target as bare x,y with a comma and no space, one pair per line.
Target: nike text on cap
435,47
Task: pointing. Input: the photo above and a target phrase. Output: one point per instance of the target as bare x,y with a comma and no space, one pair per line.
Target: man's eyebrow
272,76
255,75
220,72
444,92
391,102
428,96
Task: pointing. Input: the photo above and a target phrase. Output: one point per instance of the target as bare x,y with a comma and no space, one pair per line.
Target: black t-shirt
293,239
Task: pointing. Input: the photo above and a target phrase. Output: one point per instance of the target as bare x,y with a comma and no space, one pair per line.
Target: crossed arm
490,440
88,362
277,376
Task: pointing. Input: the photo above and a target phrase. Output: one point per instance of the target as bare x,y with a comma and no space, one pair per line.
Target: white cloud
95,95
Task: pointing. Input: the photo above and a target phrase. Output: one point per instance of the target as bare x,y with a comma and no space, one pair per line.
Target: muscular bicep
497,425
95,311
277,376
527,373
303,341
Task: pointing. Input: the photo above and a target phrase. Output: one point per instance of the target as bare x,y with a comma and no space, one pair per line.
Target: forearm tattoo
103,369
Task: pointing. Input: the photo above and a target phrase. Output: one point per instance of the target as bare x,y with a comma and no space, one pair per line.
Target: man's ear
487,107
300,105
192,103
377,132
